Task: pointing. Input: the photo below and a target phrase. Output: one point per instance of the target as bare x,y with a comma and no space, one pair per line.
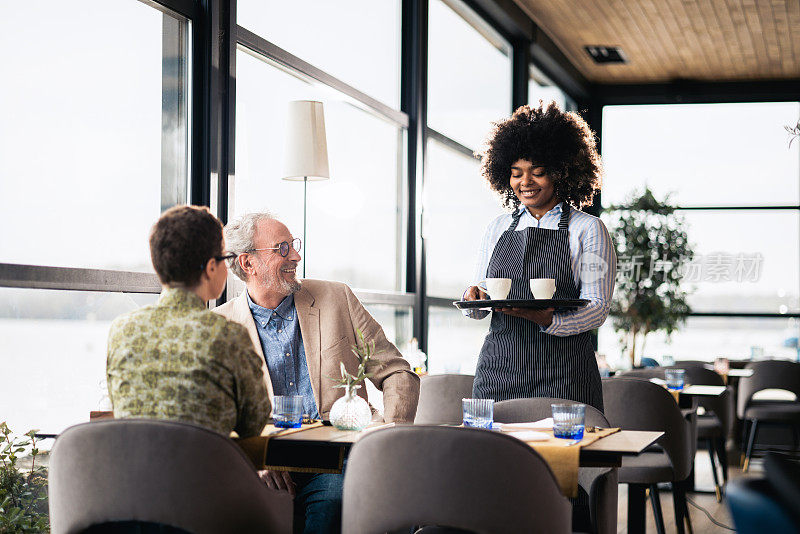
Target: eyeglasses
283,248
221,258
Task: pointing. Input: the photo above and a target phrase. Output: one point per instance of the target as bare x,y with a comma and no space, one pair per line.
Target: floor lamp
306,153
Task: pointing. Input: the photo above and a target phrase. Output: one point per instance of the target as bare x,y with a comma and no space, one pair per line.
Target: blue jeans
318,503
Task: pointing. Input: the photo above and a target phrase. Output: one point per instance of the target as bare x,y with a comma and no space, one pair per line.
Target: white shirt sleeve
598,273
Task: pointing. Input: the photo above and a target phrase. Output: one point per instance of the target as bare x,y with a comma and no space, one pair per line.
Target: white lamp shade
306,151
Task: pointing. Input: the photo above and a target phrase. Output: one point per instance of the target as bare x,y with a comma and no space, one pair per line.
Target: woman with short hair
176,359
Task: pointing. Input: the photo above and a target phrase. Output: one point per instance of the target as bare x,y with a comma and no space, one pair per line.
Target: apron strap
515,220
563,223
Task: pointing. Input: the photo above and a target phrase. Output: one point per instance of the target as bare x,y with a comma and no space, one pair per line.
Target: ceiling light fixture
606,54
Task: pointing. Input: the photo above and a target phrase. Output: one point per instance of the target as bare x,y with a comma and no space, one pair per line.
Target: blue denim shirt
282,343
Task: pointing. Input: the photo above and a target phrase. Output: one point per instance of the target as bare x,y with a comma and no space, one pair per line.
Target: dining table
322,448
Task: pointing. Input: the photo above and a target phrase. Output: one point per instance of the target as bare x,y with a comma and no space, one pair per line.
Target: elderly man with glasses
303,331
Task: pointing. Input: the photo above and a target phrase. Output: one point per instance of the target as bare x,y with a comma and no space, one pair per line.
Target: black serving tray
536,304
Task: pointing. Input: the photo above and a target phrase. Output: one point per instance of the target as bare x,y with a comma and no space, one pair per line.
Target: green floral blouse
178,360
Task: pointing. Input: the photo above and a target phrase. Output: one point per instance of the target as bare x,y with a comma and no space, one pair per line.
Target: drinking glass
287,411
478,413
675,378
568,420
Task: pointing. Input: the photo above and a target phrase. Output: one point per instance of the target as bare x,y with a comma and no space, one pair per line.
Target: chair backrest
699,375
440,399
176,474
635,404
647,373
685,364
471,479
534,409
769,374
599,483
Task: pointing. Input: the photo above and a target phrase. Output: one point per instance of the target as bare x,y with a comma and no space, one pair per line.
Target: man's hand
279,480
475,293
541,317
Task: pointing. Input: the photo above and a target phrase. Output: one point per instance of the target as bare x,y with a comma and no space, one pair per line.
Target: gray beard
282,286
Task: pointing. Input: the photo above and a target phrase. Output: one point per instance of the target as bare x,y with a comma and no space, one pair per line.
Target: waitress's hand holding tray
541,288
490,288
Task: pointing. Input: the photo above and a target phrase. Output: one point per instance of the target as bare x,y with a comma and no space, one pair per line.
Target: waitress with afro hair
544,164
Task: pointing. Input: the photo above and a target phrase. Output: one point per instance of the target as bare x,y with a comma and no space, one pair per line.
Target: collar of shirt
175,297
554,212
284,310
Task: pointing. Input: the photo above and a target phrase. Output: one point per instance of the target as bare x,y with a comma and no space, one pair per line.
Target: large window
355,232
54,345
730,170
469,71
93,146
81,137
540,88
356,220
458,206
706,338
356,41
703,154
469,74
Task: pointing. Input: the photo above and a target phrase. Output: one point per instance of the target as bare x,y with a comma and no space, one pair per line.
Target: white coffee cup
497,288
543,288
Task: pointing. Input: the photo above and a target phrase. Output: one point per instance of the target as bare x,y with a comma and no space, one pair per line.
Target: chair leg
743,444
686,515
636,508
750,442
710,445
678,498
722,454
655,500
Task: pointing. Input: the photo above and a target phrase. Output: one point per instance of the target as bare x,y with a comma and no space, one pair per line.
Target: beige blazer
329,314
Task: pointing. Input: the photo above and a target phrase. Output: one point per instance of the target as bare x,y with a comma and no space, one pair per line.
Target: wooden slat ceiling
667,40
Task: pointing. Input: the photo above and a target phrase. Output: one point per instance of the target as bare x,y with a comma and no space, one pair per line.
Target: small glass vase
351,412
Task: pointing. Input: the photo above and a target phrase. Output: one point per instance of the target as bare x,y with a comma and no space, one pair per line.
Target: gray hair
240,236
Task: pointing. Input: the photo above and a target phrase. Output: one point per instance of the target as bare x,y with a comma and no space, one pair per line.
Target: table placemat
255,447
563,459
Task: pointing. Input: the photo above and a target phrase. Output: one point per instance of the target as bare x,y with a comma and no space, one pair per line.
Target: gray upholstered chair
169,473
599,483
464,478
646,373
440,399
771,374
715,425
635,404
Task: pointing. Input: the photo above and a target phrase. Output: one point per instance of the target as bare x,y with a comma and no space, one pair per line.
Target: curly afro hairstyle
561,142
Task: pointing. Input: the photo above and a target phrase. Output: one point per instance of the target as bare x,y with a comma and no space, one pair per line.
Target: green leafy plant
364,350
652,249
23,496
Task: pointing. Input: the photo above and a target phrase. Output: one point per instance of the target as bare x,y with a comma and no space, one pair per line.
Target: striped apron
518,360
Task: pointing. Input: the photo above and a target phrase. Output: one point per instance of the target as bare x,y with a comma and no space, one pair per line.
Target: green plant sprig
794,132
364,351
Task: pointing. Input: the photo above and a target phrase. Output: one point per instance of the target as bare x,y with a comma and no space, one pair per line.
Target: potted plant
23,496
351,412
652,249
